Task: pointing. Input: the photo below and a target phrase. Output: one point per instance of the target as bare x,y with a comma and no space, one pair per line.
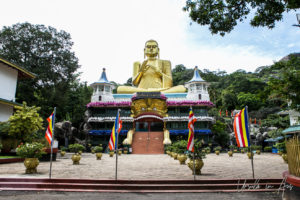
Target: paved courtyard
137,166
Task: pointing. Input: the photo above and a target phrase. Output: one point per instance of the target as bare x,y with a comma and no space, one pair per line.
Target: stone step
247,185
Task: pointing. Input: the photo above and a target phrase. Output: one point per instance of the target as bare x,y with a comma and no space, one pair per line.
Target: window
100,98
199,96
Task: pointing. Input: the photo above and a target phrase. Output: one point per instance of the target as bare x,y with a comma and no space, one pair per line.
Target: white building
9,75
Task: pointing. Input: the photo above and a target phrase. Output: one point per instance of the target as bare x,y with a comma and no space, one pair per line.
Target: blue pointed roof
103,78
196,77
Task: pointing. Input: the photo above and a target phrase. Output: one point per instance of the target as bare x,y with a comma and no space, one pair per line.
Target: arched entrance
148,137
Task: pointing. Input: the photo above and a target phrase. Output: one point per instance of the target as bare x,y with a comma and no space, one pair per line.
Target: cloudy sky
112,34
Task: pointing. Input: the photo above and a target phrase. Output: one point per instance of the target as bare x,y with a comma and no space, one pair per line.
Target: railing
293,153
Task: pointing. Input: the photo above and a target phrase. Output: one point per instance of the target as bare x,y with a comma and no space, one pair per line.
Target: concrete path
134,166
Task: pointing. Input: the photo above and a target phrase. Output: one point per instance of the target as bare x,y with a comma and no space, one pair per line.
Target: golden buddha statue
153,75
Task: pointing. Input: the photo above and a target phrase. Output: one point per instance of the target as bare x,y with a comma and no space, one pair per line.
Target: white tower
102,89
197,87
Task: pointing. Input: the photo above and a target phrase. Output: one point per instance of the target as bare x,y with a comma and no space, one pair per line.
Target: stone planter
257,152
230,153
31,165
111,154
217,153
181,158
242,151
125,152
76,158
198,166
120,152
98,156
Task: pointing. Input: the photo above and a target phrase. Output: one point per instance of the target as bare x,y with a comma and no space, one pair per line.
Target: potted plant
242,150
217,150
180,147
63,151
196,159
207,149
125,150
31,152
98,150
258,150
75,148
250,154
111,153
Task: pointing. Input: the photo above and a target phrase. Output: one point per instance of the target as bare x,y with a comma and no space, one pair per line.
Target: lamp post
298,19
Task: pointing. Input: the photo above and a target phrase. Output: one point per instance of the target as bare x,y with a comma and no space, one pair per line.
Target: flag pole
116,143
194,151
250,146
52,142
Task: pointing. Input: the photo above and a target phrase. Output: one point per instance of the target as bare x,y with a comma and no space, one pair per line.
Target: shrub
218,148
98,149
198,151
268,149
30,150
25,122
62,148
76,148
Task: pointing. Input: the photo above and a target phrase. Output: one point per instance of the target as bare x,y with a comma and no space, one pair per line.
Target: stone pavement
161,166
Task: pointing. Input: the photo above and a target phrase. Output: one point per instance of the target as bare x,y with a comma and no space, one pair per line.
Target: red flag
192,120
50,128
115,132
220,111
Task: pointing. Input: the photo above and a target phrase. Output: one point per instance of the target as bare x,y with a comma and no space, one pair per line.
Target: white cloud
112,34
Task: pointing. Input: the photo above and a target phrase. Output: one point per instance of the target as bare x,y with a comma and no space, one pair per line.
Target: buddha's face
151,49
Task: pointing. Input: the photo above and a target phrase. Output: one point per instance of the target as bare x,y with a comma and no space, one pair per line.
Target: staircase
141,186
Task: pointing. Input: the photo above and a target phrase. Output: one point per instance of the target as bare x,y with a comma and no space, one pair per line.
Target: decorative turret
102,89
197,87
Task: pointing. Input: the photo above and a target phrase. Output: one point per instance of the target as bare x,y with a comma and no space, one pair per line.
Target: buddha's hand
144,68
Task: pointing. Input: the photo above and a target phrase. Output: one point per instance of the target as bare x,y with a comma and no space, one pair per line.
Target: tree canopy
47,53
222,15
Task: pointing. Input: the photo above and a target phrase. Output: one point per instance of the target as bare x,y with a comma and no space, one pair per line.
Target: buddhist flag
113,141
192,120
50,128
220,112
242,133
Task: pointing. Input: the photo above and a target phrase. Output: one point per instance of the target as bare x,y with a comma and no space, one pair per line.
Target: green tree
285,83
47,53
248,99
25,122
222,15
220,136
181,74
229,100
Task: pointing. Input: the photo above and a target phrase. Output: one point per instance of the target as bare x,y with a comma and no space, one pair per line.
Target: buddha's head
151,49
